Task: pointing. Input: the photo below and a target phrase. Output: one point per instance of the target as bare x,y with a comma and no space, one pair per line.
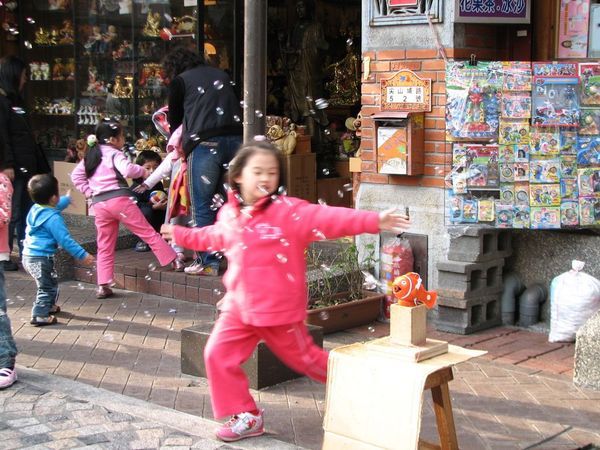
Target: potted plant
337,300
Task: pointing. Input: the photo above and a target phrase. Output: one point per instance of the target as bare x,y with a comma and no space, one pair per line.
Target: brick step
140,272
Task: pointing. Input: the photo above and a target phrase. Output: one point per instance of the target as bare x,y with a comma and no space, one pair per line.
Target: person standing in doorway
202,99
22,156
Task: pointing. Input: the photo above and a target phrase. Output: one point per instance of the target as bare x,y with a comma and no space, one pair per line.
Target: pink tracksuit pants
232,342
108,215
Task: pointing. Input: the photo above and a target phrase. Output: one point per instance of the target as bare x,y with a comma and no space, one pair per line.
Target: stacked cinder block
470,281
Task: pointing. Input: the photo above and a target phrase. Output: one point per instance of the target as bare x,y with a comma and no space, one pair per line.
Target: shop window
403,12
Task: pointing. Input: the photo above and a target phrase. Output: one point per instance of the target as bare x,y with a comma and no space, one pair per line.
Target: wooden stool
438,383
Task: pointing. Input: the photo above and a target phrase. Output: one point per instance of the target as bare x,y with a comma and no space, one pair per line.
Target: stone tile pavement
518,396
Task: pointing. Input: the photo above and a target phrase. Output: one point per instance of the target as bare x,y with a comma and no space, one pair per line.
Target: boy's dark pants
41,268
155,217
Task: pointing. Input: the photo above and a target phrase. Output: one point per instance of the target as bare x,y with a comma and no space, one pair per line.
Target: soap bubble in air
326,172
219,111
281,258
324,315
258,113
147,278
322,202
205,179
340,193
218,84
201,90
321,103
151,266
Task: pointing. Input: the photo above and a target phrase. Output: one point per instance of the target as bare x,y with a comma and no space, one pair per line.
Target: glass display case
90,59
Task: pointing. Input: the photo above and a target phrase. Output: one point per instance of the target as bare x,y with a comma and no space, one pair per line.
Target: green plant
337,278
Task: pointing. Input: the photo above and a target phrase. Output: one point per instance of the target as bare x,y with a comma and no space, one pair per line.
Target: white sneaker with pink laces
7,377
241,426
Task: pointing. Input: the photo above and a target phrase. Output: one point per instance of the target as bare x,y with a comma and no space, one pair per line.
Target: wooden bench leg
444,417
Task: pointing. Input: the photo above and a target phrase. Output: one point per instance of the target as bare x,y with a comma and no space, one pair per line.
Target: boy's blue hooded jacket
46,230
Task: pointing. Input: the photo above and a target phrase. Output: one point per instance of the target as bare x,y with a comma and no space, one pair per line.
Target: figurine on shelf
123,87
54,37
69,69
108,39
42,37
54,5
183,25
45,70
58,69
344,88
124,51
67,33
35,72
95,38
152,27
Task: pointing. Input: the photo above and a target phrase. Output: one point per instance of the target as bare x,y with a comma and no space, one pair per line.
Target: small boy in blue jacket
45,231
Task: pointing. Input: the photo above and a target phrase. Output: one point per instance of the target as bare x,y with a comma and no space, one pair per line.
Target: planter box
347,315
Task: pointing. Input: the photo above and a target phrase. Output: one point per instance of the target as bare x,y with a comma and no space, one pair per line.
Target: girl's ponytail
108,128
93,156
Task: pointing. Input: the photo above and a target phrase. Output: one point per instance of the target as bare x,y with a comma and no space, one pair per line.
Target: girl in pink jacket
264,237
101,178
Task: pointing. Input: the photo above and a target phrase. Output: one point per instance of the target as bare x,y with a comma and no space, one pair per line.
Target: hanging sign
406,91
492,11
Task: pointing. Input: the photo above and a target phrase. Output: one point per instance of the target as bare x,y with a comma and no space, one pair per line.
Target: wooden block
302,144
355,164
408,325
428,349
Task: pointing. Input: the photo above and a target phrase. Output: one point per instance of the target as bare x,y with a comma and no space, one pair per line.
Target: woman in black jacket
20,156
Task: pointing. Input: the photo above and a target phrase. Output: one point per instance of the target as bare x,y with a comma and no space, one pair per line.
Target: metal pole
255,67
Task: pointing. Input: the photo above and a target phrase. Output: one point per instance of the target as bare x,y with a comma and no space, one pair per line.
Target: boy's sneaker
7,377
38,321
194,269
241,426
211,270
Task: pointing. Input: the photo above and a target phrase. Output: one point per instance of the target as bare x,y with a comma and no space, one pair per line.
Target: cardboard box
301,176
62,172
355,164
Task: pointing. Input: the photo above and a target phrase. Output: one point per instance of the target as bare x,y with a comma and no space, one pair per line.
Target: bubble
284,242
309,98
325,171
205,179
144,134
23,169
108,337
324,315
371,329
312,112
80,286
110,319
243,104
226,187
349,41
123,215
260,137
28,45
217,291
290,278
219,255
327,131
219,111
340,193
124,305
89,273
147,313
258,113
281,258
226,166
172,311
232,83
133,199
218,84
347,187
318,233
262,189
236,118
325,267
321,103
20,298
213,151
147,278
30,20
151,266
201,90
281,191
112,283
322,202
295,217
168,17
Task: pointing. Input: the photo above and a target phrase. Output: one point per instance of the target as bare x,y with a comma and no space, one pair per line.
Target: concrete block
477,316
470,279
477,243
587,354
263,368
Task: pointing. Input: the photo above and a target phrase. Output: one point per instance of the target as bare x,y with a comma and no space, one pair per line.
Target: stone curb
187,423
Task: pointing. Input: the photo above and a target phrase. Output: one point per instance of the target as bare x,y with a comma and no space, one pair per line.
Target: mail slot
399,142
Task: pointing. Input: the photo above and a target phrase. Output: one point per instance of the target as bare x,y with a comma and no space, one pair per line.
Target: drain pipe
512,288
529,304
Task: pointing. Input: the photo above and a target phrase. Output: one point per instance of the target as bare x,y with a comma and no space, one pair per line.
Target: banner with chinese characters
492,11
526,144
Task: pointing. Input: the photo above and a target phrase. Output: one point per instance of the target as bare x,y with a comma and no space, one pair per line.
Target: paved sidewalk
43,411
518,396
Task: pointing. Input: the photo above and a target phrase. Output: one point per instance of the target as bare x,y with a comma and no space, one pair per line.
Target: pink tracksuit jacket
266,275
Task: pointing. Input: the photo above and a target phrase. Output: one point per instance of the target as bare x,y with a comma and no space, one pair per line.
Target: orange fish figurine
409,291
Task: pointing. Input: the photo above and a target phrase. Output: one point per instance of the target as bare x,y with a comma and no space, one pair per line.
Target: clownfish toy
409,291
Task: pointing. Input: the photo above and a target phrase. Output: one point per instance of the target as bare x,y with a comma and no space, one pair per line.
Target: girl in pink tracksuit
101,177
264,237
